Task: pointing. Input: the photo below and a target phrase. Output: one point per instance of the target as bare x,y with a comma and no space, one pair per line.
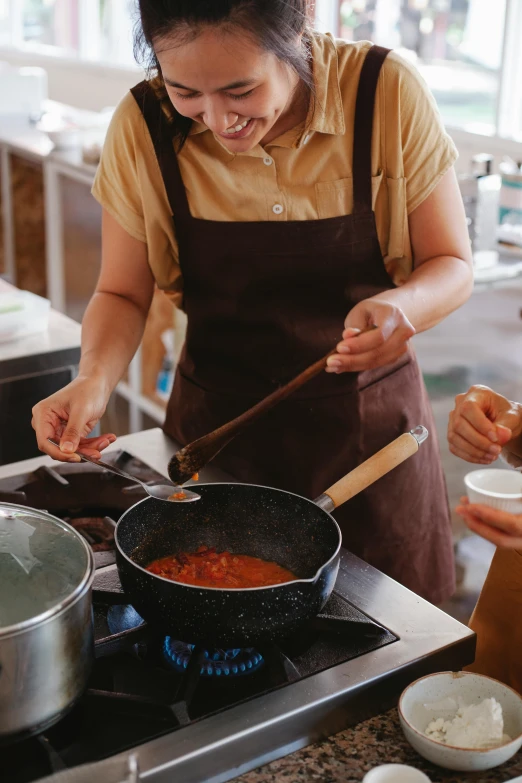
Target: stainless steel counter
23,138
32,368
57,347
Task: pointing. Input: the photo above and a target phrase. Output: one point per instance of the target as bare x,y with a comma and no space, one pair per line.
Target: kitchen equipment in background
64,133
161,492
509,236
46,633
297,533
510,206
166,374
75,129
22,313
475,188
144,710
482,165
23,91
32,368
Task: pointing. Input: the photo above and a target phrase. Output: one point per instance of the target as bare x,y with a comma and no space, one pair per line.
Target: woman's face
227,82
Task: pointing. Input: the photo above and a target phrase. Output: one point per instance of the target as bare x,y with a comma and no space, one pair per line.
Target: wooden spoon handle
374,468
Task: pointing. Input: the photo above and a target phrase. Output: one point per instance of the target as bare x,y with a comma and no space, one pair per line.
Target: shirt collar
326,113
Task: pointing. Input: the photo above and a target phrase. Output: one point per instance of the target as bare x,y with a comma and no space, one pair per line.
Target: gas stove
157,708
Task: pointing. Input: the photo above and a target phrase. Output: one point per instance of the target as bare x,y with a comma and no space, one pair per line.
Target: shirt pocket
335,199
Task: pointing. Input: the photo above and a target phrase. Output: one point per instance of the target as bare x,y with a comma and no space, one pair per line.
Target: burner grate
97,531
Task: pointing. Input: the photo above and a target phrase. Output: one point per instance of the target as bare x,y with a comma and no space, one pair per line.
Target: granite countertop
348,756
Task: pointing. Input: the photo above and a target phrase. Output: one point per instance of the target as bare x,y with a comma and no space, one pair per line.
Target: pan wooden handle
373,469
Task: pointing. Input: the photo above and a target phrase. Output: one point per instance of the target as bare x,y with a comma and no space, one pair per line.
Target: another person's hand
68,416
499,527
481,424
384,344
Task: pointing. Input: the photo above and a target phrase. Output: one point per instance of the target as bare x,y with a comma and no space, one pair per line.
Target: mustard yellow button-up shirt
305,174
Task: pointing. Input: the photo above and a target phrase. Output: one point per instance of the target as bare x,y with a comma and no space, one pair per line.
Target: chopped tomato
207,568
178,496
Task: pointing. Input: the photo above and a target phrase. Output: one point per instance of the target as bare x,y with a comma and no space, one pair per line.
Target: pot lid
44,563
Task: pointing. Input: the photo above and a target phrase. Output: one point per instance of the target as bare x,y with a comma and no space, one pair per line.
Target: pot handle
373,469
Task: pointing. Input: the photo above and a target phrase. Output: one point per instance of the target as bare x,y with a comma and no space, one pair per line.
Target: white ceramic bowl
494,487
66,139
395,773
472,688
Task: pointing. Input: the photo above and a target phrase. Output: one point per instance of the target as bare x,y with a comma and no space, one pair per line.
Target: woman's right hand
68,416
482,423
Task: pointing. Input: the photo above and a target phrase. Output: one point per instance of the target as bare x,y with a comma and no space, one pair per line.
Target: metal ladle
166,492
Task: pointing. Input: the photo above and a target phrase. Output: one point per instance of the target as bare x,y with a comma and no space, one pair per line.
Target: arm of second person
483,422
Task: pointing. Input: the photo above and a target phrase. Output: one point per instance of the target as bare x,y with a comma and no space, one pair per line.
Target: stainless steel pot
46,629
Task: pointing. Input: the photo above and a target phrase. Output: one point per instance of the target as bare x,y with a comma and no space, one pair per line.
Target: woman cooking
281,186
483,425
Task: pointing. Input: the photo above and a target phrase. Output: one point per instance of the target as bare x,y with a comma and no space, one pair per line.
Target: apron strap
161,135
362,145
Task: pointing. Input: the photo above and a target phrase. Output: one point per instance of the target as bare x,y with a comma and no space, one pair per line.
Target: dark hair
275,24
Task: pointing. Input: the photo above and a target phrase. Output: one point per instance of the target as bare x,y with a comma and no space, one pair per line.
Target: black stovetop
143,684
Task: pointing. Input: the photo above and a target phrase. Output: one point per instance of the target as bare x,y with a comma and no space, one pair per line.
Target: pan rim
234,590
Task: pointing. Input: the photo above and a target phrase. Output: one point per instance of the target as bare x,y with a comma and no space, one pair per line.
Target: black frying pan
272,524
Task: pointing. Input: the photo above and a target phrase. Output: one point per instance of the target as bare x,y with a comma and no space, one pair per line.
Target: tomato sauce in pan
208,568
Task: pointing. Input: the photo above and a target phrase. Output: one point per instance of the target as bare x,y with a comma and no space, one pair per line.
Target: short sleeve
428,152
116,185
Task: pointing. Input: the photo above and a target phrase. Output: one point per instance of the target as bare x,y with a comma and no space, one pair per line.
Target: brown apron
497,621
266,299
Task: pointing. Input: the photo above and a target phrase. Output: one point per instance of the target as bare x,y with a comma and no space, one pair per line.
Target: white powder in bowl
475,726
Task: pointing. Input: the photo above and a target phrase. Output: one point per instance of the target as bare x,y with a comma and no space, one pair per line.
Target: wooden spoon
192,458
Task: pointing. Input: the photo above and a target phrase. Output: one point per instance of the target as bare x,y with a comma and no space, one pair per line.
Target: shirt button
267,161
277,209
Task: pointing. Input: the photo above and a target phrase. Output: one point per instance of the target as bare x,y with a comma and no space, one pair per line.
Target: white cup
496,487
395,773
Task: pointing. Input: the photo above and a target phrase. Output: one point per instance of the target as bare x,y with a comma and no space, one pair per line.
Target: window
117,18
5,32
95,30
467,50
51,23
456,44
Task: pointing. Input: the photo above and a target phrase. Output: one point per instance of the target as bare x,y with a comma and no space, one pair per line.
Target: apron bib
266,299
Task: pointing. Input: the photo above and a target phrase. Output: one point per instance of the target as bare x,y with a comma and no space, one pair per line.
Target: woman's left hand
383,344
501,528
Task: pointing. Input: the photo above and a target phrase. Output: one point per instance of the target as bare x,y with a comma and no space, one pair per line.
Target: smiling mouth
238,131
